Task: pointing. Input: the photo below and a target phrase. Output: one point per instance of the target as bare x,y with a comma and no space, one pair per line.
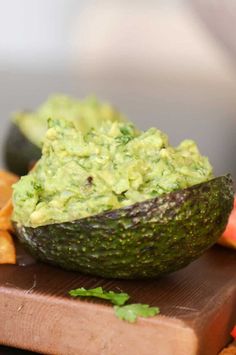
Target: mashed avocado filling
114,166
86,113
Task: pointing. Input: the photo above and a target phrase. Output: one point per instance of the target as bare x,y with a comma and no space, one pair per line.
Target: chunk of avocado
144,240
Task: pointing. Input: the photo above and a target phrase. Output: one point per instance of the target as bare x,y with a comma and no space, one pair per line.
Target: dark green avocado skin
145,240
19,152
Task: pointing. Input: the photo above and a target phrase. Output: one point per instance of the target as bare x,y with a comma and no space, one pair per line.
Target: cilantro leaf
130,312
123,139
114,297
125,130
127,133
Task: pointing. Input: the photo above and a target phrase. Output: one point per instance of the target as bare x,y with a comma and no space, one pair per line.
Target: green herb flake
131,312
116,298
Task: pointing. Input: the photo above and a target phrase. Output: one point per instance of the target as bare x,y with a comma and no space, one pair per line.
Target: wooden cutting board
198,310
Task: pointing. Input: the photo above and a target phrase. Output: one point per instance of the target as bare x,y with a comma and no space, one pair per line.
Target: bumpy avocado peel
144,240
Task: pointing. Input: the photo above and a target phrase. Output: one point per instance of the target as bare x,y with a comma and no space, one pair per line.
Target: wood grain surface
198,310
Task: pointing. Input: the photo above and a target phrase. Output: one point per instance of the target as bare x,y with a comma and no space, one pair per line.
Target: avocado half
144,240
19,153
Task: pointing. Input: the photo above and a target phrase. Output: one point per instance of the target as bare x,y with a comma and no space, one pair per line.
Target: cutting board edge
17,309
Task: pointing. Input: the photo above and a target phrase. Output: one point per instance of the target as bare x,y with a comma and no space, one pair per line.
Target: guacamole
114,166
85,113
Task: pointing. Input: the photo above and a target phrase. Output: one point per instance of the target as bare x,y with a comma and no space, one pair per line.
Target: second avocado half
22,147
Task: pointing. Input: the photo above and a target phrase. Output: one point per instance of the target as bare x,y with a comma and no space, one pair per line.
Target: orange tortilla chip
5,193
6,182
6,225
8,177
7,248
5,216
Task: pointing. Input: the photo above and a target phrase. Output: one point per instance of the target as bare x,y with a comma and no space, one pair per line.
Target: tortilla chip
8,177
7,248
5,216
6,182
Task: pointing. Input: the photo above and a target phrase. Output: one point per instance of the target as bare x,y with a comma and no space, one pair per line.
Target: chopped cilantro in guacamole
111,167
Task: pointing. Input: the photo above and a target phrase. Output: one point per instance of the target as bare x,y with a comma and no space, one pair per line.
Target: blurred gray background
168,64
